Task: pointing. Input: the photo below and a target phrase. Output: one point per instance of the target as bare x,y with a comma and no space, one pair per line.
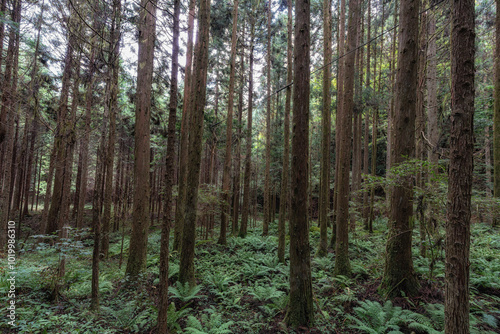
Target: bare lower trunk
342,264
456,306
286,149
399,275
140,217
197,105
300,306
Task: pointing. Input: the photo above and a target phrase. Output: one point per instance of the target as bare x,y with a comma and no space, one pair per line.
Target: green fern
208,325
218,281
129,316
185,293
173,317
265,293
373,318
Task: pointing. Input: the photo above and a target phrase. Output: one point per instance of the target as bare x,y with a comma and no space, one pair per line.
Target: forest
250,166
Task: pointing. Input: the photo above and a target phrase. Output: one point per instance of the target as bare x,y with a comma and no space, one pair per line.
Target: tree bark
496,121
326,123
342,264
169,177
186,272
9,112
286,143
184,137
340,99
226,175
300,307
237,164
432,103
267,176
114,68
456,305
248,156
366,136
140,216
399,275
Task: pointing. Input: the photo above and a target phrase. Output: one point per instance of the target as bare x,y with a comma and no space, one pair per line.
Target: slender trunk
114,58
399,275
267,176
326,123
197,105
420,119
237,164
432,102
81,193
496,121
169,177
390,115
286,149
8,112
62,136
8,70
366,139
184,137
226,175
300,306
340,99
248,156
140,217
342,264
456,301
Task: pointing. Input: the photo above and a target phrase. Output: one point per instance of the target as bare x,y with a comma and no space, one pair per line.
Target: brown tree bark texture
342,265
186,272
184,137
300,307
399,274
226,175
169,177
140,216
456,306
286,143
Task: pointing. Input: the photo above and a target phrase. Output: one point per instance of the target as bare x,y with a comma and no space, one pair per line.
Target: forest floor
241,287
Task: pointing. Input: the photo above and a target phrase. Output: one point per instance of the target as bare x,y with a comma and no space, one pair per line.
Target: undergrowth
242,288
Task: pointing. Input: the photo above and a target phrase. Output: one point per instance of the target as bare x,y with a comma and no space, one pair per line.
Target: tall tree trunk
399,275
81,187
184,137
340,99
342,265
267,175
63,132
114,68
496,122
366,136
456,301
326,123
226,175
237,164
248,156
8,109
300,307
96,217
390,114
432,102
4,114
169,177
34,89
286,145
140,217
186,272
420,118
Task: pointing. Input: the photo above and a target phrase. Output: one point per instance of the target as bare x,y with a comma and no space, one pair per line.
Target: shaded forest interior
251,166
